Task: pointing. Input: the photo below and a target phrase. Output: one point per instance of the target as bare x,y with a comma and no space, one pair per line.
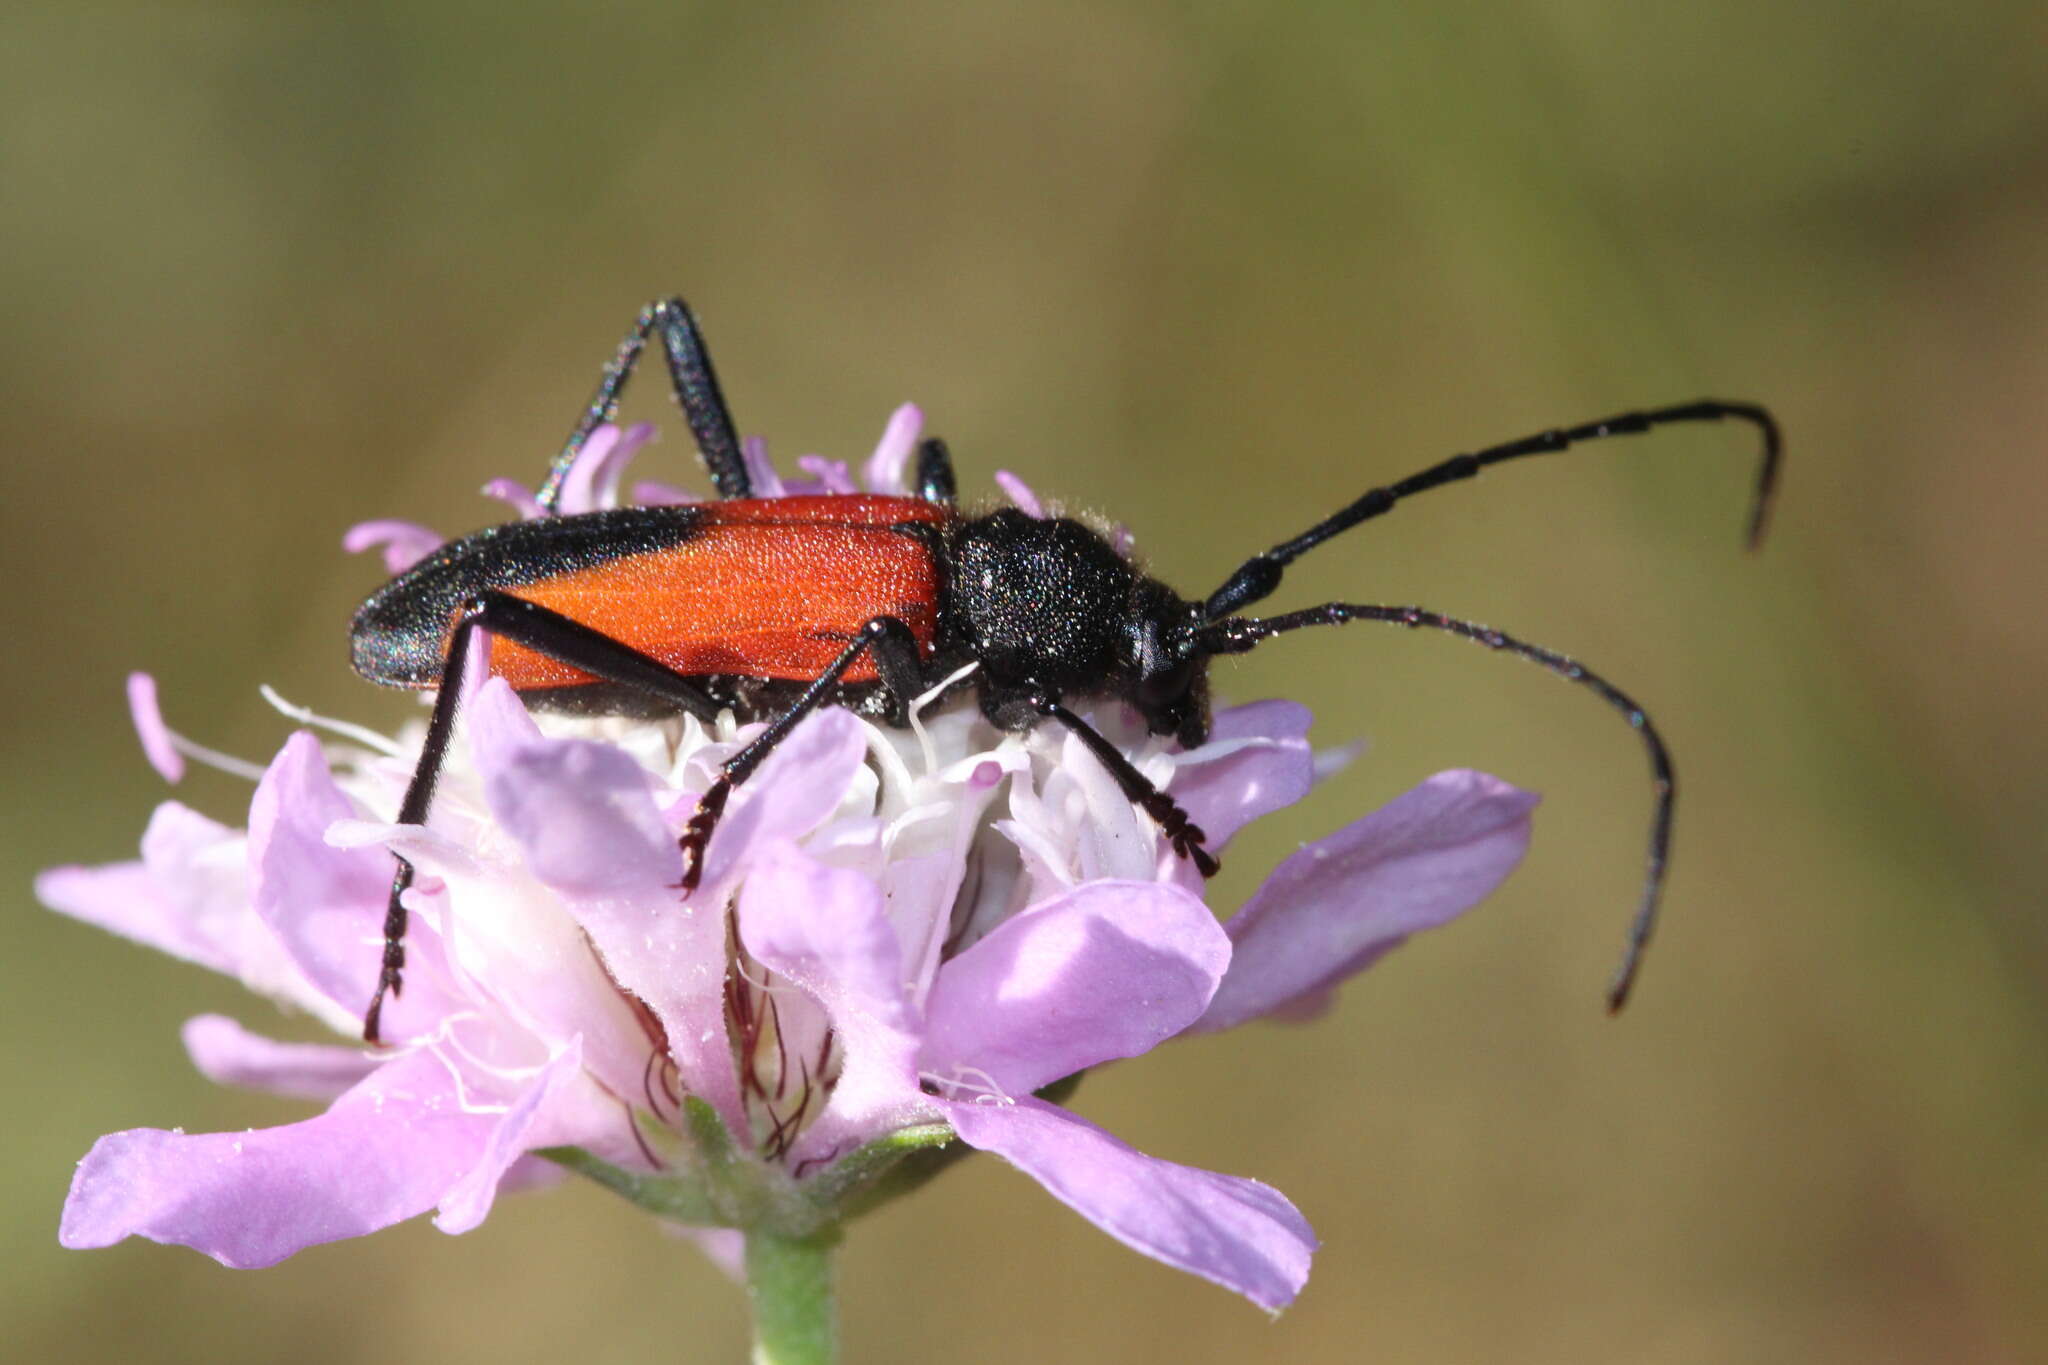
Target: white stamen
968,1080
214,758
368,738
788,989
443,1043
916,815
924,699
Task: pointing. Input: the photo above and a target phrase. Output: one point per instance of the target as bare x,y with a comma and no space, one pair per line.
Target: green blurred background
1210,268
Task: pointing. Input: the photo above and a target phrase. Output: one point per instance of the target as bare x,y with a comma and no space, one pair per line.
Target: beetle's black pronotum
678,609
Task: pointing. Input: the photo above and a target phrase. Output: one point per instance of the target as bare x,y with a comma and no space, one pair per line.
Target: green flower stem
789,1280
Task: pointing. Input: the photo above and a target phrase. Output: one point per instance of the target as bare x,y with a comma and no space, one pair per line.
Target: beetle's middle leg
892,647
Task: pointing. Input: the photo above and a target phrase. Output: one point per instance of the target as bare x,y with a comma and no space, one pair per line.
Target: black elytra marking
399,634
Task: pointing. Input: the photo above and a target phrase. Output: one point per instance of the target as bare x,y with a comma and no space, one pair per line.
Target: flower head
902,938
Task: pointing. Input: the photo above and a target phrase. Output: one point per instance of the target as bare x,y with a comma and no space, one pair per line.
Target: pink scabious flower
903,939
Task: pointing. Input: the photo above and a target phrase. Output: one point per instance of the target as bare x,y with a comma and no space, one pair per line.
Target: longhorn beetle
772,607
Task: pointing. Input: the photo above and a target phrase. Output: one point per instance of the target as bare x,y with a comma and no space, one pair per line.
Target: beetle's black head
1047,606
1167,671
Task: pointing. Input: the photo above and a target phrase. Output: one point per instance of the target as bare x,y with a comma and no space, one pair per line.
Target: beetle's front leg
1180,830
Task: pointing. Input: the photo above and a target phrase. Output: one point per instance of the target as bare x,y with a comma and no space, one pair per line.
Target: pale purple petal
653,493
726,1248
228,1054
1340,904
797,787
592,483
577,491
325,904
476,670
124,898
1110,970
430,851
582,813
824,930
557,1107
517,496
670,955
189,897
1235,1232
883,472
1257,761
185,897
584,819
520,946
831,476
605,482
513,942
1020,493
511,938
760,469
157,747
385,1152
531,1172
405,543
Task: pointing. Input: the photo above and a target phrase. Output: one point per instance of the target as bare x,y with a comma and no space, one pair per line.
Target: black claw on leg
391,976
1185,836
697,834
894,649
1189,846
373,1015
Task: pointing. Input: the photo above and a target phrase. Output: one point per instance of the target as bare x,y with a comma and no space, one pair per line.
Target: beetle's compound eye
1166,686
1175,702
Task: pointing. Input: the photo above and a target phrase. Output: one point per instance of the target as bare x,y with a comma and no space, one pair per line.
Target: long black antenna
1239,634
1258,576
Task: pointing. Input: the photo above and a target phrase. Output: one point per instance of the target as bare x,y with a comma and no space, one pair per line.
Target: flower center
787,1056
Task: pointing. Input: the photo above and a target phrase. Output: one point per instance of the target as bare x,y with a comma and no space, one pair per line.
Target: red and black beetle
771,607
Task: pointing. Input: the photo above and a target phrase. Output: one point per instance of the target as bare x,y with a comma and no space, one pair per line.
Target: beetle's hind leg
892,647
545,632
697,393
